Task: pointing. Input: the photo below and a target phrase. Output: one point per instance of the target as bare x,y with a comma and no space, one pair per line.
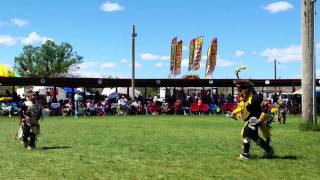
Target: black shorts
250,133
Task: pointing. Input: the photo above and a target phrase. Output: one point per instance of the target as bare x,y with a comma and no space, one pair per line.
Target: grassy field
155,147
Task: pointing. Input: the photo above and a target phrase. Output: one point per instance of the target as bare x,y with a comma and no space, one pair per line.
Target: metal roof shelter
104,82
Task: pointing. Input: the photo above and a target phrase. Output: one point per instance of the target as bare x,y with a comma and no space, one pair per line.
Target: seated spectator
55,108
99,109
66,109
6,108
229,99
165,107
106,105
199,104
154,106
186,106
122,106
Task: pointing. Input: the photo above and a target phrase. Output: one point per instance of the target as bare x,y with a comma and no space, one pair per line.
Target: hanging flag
197,53
191,53
208,63
173,54
212,58
178,58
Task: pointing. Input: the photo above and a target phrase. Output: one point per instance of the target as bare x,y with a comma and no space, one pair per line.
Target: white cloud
239,53
108,65
153,57
88,74
202,65
224,63
111,7
254,53
220,63
158,64
8,40
164,57
34,38
283,55
149,56
124,60
95,74
278,7
185,48
137,65
88,65
297,76
185,63
95,69
19,22
93,65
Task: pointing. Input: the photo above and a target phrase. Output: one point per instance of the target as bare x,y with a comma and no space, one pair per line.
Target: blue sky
248,32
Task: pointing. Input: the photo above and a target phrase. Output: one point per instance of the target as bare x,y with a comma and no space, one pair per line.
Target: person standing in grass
78,104
29,122
250,110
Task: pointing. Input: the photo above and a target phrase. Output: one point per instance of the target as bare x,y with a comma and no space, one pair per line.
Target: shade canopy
45,90
120,90
5,71
300,91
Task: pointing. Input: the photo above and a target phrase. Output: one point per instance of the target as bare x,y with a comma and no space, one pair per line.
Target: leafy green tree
48,60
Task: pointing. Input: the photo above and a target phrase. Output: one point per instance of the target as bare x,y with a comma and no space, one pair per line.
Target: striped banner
197,53
212,58
178,58
173,54
191,53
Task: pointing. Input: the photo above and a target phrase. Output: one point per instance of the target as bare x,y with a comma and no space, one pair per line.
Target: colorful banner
173,54
191,53
178,58
212,58
208,63
197,53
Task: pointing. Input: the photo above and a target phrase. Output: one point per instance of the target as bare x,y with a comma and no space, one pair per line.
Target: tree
48,60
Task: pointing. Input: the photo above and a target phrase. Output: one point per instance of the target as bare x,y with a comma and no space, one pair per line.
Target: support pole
134,35
308,61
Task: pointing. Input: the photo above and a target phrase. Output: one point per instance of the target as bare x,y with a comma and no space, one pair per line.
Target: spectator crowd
98,105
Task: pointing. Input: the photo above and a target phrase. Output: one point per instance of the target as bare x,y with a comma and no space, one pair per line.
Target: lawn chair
204,108
154,108
177,108
55,109
194,108
212,108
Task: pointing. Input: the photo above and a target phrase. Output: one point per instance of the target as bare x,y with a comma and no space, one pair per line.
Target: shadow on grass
54,147
287,157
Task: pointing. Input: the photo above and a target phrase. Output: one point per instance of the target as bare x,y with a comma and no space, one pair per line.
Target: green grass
154,147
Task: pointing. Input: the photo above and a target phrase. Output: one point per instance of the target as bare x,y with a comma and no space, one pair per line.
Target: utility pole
308,62
275,68
275,73
134,35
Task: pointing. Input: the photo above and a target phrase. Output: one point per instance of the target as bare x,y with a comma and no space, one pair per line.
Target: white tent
61,94
300,91
121,90
21,91
82,90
